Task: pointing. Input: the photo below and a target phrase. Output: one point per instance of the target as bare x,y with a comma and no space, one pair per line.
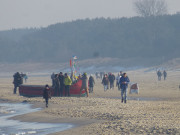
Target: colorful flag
74,57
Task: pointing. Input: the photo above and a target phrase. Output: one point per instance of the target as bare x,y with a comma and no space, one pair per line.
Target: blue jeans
124,93
105,87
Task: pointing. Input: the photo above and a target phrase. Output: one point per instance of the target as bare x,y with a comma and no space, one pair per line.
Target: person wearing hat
46,94
84,85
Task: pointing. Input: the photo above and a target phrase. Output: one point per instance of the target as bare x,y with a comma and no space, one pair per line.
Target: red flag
70,63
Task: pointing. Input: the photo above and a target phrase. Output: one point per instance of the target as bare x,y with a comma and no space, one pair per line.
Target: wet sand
103,112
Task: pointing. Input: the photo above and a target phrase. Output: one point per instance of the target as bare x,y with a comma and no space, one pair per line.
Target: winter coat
84,81
105,81
56,83
126,80
46,93
61,80
111,78
18,80
67,81
91,81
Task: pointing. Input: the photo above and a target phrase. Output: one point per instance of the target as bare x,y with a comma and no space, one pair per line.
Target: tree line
153,38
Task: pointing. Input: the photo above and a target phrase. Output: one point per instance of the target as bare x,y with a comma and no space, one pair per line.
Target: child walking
46,94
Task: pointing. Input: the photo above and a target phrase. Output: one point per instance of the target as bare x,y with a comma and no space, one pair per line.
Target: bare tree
147,8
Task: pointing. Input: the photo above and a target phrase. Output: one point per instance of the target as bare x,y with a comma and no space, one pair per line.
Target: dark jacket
111,78
91,81
46,93
18,80
61,80
124,79
105,81
159,73
56,83
84,81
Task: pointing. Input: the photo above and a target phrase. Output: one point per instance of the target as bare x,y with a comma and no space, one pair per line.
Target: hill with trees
143,40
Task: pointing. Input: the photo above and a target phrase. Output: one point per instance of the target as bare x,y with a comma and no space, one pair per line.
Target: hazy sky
41,13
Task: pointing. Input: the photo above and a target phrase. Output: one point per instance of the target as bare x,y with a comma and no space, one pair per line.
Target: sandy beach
155,110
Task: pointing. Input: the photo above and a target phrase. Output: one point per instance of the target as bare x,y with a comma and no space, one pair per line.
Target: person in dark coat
159,74
56,85
18,80
91,83
124,81
105,82
111,78
47,94
61,80
164,74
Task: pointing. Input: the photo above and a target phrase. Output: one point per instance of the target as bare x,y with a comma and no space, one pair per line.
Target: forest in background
143,40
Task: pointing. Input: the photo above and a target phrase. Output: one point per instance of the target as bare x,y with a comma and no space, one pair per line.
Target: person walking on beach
84,85
164,74
117,81
67,84
159,74
124,81
46,94
105,82
111,80
18,80
61,80
91,83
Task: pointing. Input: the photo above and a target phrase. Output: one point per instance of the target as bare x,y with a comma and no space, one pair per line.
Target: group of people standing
61,82
160,74
122,82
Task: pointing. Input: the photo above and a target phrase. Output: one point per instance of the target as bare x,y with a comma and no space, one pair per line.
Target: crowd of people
62,82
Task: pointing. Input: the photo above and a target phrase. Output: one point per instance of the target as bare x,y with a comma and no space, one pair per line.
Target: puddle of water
14,127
